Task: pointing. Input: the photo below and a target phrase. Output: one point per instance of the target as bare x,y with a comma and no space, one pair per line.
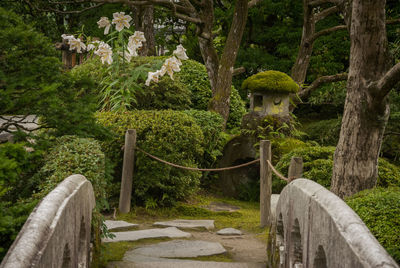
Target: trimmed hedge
73,155
171,135
270,82
379,208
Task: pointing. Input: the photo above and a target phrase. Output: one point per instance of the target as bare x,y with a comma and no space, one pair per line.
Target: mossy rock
270,82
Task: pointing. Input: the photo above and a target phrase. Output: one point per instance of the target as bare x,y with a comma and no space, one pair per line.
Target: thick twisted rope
197,169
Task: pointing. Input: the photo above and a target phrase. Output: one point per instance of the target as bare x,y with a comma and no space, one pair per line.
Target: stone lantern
269,93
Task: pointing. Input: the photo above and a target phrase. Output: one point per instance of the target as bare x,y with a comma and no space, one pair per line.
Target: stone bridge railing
315,228
57,233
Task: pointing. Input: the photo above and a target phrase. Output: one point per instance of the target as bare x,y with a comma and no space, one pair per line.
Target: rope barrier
197,169
277,173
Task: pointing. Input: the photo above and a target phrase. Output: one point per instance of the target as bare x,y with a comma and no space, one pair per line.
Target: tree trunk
207,49
366,111
221,97
300,67
144,22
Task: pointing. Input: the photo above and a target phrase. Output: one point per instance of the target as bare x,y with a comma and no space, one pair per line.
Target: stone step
187,224
229,231
174,249
170,232
185,264
119,225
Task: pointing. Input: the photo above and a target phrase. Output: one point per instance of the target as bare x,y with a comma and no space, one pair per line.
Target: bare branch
326,31
62,11
325,13
317,2
239,70
322,80
393,21
389,80
253,3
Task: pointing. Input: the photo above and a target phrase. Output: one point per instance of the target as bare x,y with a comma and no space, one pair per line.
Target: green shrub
325,132
190,88
318,164
270,81
379,208
171,135
73,155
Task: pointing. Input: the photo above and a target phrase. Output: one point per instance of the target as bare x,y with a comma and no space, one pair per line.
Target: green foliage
318,164
270,82
73,155
171,135
325,132
29,67
379,208
190,88
331,93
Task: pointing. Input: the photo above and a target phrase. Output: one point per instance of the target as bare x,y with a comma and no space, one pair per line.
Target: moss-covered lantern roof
270,82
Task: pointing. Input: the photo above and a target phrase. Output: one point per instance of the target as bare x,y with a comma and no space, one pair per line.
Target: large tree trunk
220,101
366,111
300,67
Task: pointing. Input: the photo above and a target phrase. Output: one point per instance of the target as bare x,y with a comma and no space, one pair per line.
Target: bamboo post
295,168
265,183
127,171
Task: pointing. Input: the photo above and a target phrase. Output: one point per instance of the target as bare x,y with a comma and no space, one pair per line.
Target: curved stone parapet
315,228
57,232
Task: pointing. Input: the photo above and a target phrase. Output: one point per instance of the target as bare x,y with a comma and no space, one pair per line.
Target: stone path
244,249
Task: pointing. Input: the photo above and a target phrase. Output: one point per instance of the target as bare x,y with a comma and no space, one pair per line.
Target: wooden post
127,171
295,168
265,183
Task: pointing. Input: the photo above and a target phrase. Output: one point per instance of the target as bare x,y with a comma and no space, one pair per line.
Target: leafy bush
325,132
73,155
171,135
318,164
270,81
379,208
189,89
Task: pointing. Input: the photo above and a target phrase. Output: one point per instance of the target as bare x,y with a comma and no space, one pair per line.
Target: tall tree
366,108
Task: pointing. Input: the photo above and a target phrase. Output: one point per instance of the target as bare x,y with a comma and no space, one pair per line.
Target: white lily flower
104,22
180,53
105,53
121,20
77,44
92,45
153,76
127,55
137,38
170,66
67,37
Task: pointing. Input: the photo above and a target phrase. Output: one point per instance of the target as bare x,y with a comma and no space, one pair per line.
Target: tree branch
326,31
325,13
239,70
322,80
389,80
253,3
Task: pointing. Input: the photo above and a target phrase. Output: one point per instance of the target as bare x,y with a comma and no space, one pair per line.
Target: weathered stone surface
185,264
187,224
119,225
176,249
229,231
57,232
274,203
216,206
317,227
170,232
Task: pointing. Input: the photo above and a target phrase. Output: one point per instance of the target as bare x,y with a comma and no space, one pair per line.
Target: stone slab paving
177,249
217,206
187,224
229,231
185,264
171,232
119,225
